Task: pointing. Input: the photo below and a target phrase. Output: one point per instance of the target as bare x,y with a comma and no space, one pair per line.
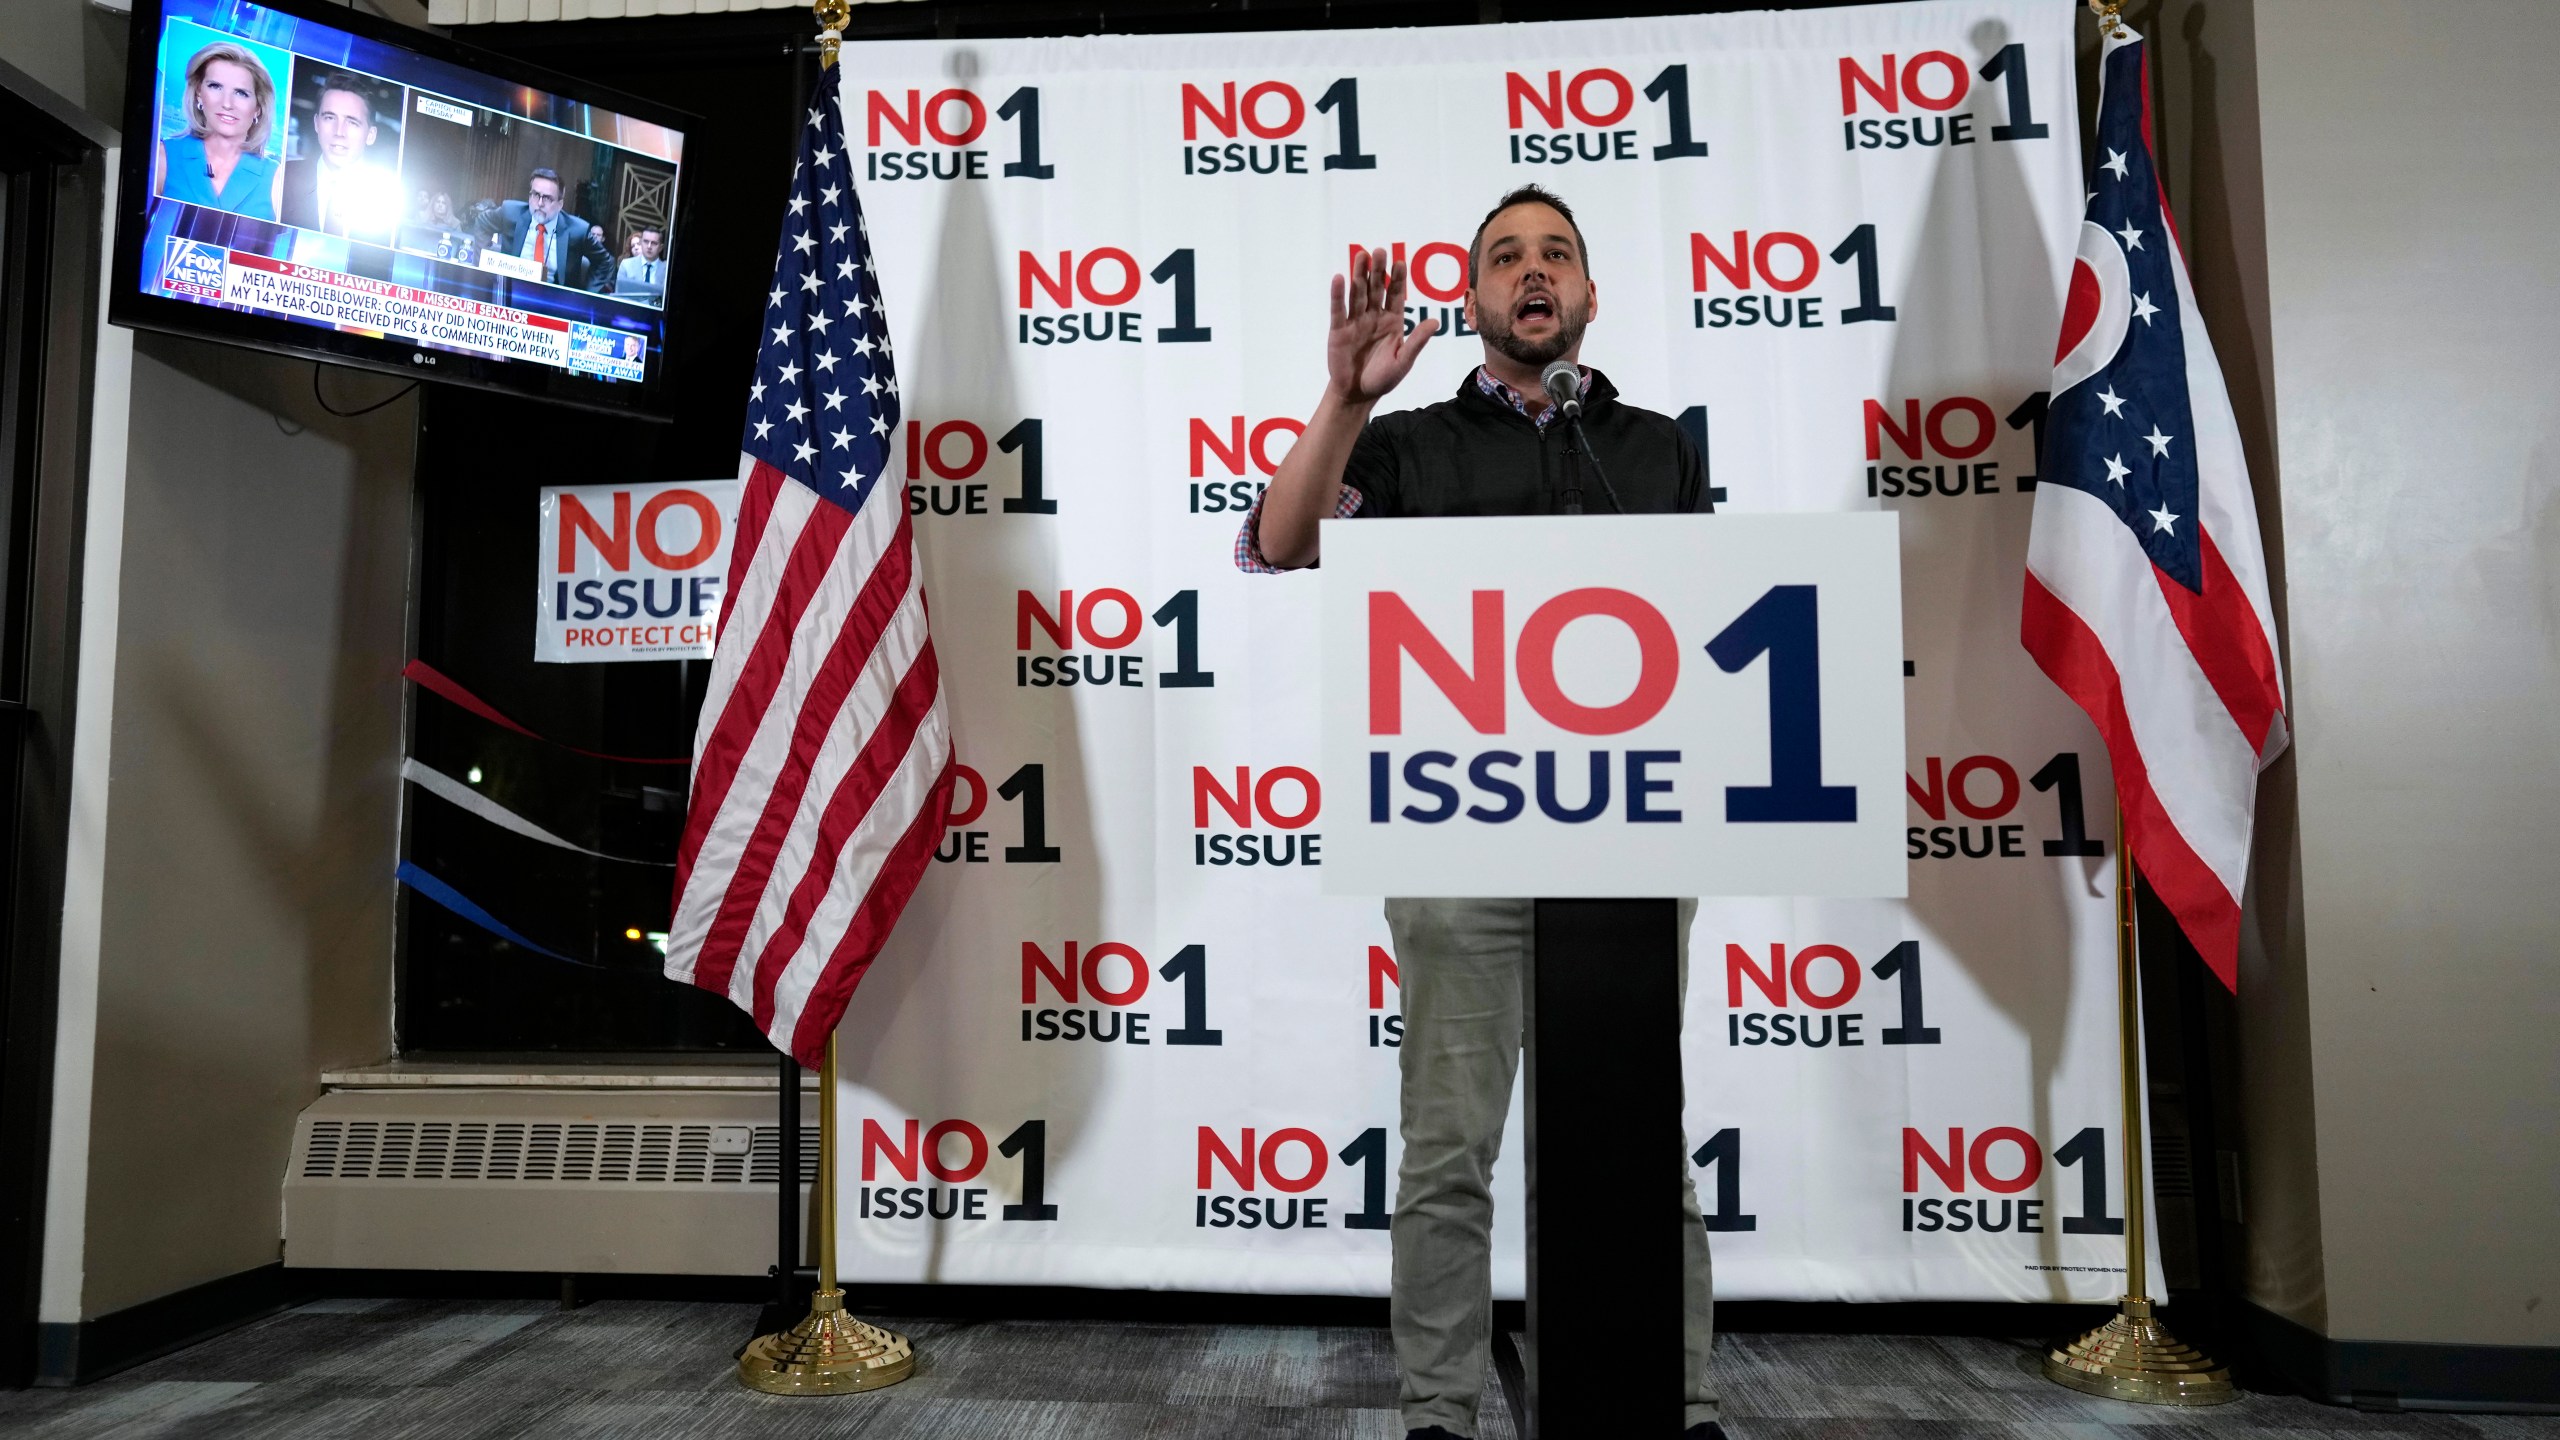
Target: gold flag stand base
2134,1357
829,1353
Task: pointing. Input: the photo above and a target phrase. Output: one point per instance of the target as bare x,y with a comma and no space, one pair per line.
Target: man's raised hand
1367,352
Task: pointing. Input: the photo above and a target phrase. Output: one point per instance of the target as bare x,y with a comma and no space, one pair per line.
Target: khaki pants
1463,968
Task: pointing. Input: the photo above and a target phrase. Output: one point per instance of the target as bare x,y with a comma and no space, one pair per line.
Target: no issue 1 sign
1614,705
632,572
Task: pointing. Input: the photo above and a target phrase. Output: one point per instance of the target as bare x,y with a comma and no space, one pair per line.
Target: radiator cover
651,1182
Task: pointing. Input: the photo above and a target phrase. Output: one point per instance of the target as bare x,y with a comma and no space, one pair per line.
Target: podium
1699,705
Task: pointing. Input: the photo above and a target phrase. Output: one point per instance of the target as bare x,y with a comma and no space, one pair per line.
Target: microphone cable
1562,380
1582,441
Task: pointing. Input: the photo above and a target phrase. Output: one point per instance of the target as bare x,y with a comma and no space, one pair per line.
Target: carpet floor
643,1370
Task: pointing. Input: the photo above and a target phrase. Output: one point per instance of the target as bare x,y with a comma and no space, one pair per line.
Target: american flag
2146,595
822,761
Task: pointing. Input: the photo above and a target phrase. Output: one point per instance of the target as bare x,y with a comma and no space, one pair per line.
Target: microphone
1563,381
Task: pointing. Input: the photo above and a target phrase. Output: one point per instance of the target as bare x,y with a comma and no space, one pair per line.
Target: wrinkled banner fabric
1119,1039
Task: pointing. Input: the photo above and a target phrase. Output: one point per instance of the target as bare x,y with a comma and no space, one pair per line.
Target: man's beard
1537,354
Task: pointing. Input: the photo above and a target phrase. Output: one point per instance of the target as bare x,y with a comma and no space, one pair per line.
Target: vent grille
2173,1167
650,1152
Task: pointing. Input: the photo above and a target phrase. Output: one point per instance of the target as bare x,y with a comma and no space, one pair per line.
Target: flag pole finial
2110,15
832,15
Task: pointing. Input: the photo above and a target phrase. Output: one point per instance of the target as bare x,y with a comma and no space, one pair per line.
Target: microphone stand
1578,448
1603,1024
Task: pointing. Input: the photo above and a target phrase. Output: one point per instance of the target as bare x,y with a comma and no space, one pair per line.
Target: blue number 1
1781,626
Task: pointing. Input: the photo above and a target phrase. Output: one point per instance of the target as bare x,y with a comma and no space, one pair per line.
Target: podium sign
1609,705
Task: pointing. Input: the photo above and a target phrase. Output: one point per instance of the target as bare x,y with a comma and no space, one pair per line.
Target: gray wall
246,940
2412,200
251,820
71,48
2368,193
2206,124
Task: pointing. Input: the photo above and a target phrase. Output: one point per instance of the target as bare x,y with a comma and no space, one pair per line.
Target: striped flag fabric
2146,587
822,761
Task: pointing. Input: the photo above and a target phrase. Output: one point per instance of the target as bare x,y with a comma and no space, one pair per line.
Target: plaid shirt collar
1546,408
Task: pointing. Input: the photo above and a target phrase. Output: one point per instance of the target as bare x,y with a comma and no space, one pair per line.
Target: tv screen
304,178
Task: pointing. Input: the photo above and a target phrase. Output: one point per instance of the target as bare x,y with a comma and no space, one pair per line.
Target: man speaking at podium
1492,449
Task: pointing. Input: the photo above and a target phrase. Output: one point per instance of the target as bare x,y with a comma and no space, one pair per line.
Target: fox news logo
194,268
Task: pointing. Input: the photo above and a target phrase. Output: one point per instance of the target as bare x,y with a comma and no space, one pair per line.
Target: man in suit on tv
642,276
536,228
334,189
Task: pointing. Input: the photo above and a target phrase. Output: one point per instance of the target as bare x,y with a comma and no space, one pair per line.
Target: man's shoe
1704,1430
1434,1432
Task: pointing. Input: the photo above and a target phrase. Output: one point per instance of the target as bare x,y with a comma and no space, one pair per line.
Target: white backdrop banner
1122,1037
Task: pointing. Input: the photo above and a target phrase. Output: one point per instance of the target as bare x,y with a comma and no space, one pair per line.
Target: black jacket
1475,455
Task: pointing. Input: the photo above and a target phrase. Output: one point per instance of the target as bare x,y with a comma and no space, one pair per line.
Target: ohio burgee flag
2146,596
822,761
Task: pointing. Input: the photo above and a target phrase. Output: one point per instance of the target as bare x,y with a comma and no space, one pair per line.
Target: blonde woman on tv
221,160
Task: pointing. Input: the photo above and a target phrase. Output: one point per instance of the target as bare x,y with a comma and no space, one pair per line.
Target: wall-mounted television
304,178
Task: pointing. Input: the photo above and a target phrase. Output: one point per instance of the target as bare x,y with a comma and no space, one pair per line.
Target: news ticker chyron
203,270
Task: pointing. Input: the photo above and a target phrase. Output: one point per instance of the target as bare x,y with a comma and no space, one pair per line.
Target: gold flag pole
2133,1356
830,1352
